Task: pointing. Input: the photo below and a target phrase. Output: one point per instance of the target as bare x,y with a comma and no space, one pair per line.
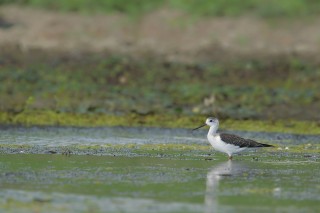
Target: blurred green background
147,73
263,8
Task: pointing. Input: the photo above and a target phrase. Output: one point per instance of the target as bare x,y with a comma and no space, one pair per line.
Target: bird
228,143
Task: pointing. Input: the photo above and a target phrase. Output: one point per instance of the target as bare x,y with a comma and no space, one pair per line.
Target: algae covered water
153,170
52,183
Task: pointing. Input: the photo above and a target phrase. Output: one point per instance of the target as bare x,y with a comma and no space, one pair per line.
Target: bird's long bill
199,127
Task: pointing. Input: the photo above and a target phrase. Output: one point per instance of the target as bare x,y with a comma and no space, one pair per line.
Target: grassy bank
262,8
278,87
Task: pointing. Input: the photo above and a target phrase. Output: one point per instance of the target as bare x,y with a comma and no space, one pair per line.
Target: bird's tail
266,145
257,144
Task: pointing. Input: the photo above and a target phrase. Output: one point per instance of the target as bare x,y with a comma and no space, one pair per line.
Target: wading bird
228,143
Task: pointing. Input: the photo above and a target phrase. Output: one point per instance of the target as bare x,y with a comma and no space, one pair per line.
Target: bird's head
210,122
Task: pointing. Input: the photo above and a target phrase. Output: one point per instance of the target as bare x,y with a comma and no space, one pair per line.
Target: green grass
262,8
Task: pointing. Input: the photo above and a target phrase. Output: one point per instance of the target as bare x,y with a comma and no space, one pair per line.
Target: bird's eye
210,121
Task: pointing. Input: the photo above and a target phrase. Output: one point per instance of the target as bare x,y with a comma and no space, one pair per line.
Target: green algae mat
79,183
122,169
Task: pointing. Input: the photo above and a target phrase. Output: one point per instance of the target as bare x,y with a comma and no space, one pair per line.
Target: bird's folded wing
238,141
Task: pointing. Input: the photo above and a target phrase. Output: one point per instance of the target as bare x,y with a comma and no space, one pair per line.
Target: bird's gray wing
241,142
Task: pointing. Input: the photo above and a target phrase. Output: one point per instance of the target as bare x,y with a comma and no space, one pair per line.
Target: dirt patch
165,32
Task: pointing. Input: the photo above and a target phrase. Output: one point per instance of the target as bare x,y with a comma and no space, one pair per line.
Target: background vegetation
262,8
284,87
257,86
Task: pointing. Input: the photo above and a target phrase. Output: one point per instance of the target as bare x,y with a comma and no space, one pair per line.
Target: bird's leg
230,157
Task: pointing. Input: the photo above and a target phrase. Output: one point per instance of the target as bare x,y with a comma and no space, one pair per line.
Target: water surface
122,169
152,184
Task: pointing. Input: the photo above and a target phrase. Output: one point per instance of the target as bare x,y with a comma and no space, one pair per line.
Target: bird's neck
213,130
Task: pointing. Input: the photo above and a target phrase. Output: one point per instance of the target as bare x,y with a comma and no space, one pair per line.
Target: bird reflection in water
214,176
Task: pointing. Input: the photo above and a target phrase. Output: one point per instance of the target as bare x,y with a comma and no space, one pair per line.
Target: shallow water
76,183
153,171
55,136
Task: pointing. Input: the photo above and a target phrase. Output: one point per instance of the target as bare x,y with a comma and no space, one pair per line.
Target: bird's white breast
219,145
